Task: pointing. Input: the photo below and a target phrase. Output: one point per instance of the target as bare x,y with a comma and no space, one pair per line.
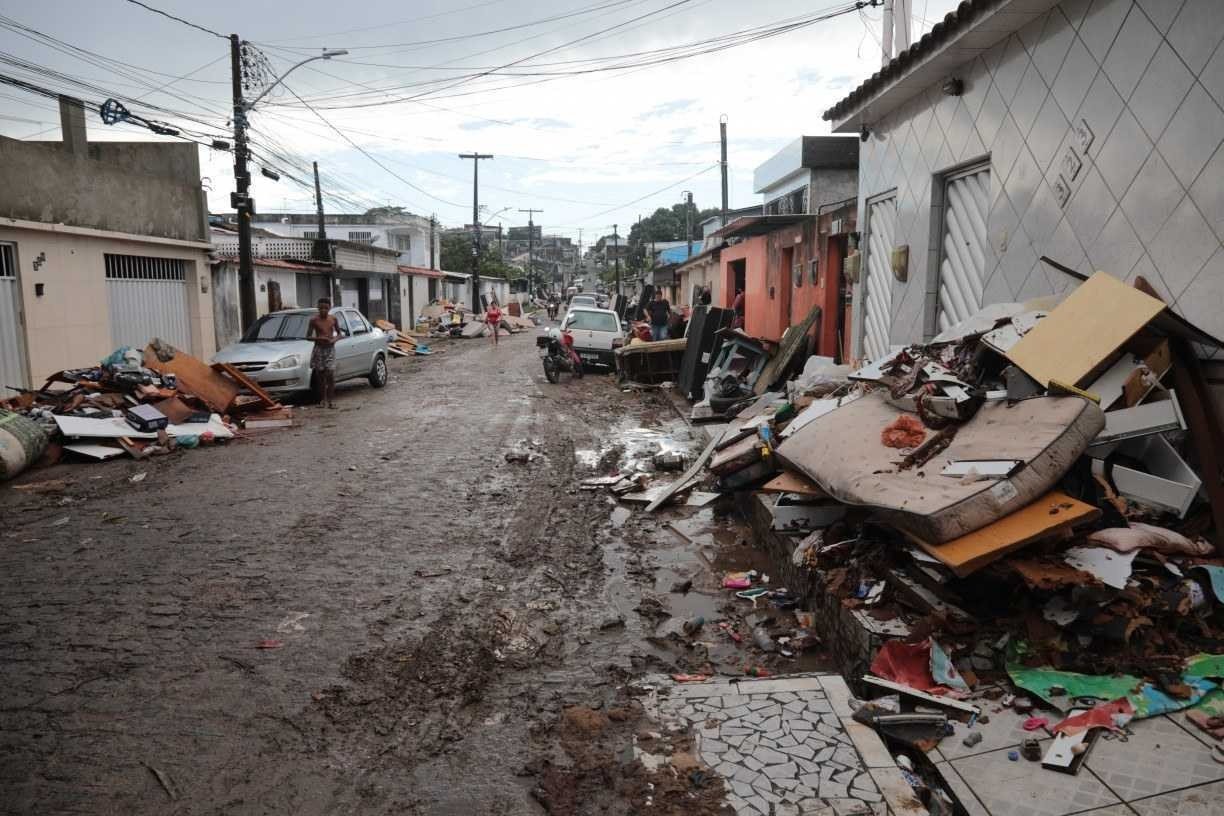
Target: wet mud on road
437,614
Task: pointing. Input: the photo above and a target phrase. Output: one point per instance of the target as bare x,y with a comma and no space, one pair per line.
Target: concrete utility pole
578,262
241,199
616,257
531,246
433,226
321,235
722,131
476,158
896,18
688,227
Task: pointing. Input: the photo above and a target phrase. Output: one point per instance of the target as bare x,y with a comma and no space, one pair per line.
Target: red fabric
906,431
906,663
1110,715
493,315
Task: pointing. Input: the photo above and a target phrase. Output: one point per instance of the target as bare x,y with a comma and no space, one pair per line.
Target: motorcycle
552,309
557,352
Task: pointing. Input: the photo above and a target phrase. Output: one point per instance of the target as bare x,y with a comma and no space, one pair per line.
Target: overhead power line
178,19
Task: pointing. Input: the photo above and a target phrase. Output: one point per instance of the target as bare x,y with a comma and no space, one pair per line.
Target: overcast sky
581,147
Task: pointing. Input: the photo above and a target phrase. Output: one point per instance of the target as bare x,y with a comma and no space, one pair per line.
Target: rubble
138,404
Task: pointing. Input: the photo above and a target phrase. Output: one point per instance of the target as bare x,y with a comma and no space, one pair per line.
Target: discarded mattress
842,453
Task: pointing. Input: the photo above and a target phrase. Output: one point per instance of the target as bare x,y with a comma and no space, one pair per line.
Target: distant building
409,236
102,245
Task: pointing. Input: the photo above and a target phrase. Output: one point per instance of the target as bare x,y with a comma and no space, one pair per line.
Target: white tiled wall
1147,76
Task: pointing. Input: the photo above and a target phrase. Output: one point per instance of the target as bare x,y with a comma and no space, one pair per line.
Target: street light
241,200
327,54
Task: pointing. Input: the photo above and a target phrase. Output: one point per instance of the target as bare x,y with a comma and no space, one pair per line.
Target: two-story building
102,245
415,239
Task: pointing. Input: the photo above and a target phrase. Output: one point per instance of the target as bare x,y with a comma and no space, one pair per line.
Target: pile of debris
401,343
1029,499
138,404
443,318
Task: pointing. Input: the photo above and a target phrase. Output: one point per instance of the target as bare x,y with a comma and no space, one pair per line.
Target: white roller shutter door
148,299
877,278
965,248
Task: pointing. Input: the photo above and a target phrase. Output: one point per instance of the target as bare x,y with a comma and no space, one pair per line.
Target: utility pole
616,256
321,235
688,227
240,200
531,247
433,226
722,130
896,17
476,158
579,263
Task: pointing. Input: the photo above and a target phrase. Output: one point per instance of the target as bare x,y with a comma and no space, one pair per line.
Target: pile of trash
1032,499
443,318
133,403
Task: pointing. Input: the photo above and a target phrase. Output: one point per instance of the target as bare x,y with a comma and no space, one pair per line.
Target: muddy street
375,612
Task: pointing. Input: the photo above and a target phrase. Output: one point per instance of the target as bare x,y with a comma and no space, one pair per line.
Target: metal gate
12,341
148,298
877,278
965,247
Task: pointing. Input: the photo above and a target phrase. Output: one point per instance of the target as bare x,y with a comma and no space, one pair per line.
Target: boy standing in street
324,331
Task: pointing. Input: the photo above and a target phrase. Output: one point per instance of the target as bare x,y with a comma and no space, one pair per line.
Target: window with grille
141,267
403,243
311,234
8,262
361,237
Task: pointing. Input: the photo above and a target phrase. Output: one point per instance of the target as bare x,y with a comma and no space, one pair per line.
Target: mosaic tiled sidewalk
787,747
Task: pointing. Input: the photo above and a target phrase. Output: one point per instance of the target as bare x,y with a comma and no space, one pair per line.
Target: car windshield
585,300
278,327
593,321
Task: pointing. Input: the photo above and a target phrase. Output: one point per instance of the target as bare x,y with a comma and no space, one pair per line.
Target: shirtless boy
324,331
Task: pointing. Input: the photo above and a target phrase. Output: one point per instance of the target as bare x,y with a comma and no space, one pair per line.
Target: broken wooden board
788,481
684,480
195,377
1084,333
737,456
1051,515
94,451
265,399
794,339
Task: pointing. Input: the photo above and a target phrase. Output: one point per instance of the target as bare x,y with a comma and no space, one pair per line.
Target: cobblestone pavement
436,604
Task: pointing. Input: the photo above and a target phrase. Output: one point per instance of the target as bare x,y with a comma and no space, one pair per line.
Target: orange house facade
786,265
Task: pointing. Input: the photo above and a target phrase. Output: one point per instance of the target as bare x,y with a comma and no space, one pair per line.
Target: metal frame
935,253
860,303
23,356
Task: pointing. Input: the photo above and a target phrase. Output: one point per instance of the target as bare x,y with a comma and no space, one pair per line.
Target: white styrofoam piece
115,427
815,411
1110,567
95,451
874,371
993,468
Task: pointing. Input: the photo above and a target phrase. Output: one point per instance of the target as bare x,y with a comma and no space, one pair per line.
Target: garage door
148,298
877,281
962,270
12,346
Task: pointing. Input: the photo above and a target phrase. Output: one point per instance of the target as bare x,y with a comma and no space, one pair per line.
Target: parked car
597,334
275,353
582,300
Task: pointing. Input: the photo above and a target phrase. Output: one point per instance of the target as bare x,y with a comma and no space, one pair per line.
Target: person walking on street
493,319
324,330
660,313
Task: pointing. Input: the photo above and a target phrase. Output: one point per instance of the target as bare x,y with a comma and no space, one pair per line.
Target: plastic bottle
762,639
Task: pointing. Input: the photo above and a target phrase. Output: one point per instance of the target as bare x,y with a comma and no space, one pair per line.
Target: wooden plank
246,382
1051,515
788,481
1082,335
793,339
693,470
196,378
947,702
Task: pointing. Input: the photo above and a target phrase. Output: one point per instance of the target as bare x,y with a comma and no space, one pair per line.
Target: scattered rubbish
269,644
139,477
690,678
972,739
1030,749
1013,755
1108,566
906,431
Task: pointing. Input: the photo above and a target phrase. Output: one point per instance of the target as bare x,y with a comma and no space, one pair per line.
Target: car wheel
378,374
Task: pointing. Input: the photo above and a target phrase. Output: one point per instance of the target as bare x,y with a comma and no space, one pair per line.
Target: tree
385,211
457,257
667,224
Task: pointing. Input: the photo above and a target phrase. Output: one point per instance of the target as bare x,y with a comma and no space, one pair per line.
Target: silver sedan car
276,354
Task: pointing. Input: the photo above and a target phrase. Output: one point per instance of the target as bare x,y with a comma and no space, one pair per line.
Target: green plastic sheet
1200,675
